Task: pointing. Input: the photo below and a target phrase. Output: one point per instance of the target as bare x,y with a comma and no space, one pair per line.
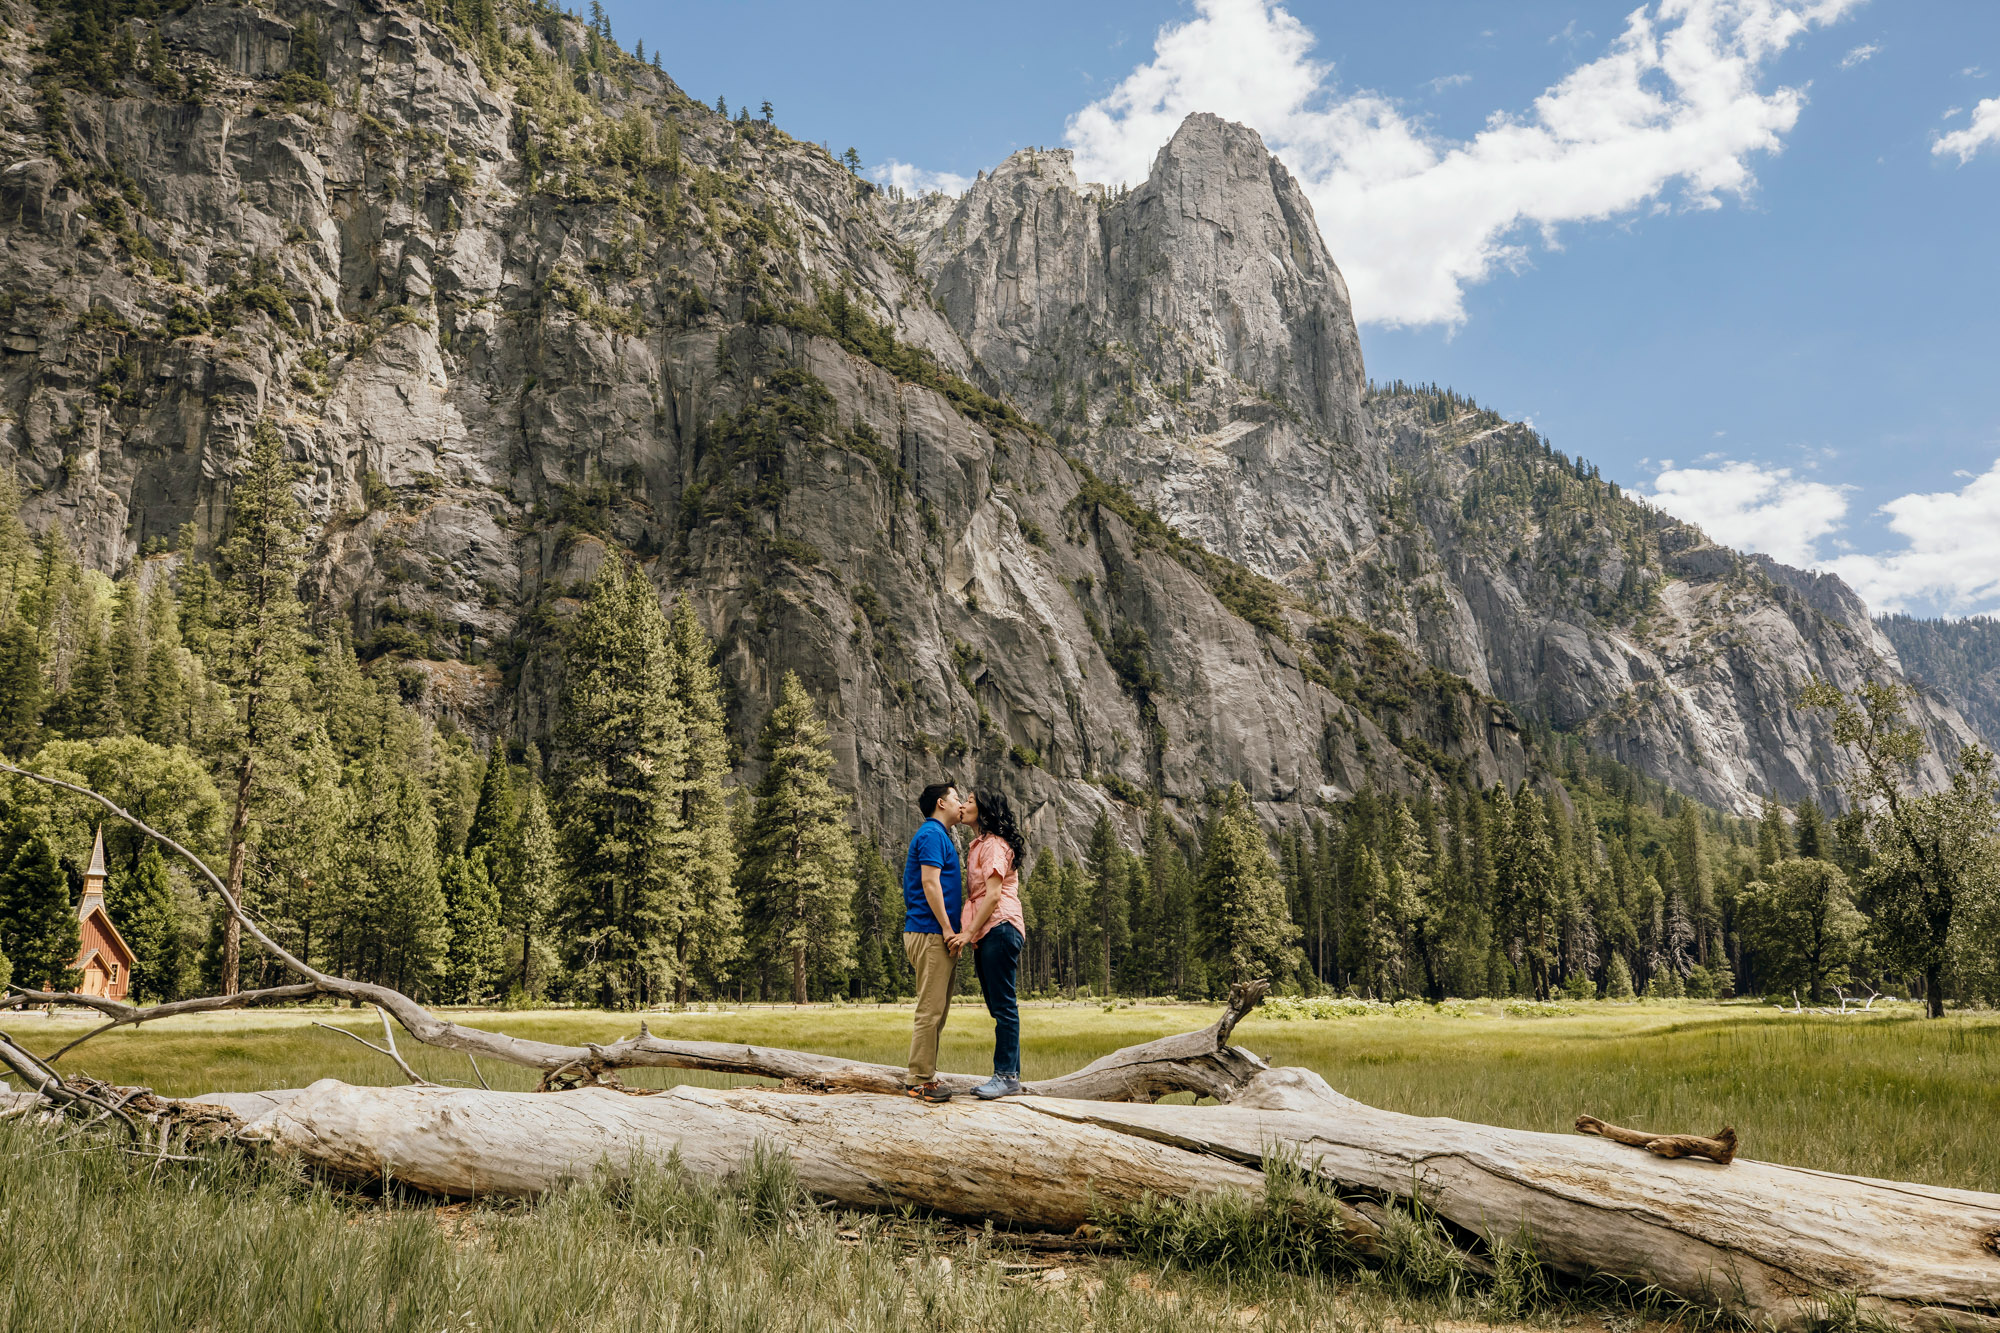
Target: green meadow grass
93,1236
1892,1095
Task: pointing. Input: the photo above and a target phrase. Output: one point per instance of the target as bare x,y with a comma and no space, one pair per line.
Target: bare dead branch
125,1015
389,1051
1199,1062
55,1089
1719,1147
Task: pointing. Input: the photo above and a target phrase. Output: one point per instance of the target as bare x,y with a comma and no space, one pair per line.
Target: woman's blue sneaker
1000,1085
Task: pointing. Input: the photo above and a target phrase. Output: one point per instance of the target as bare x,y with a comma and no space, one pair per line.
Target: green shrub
294,87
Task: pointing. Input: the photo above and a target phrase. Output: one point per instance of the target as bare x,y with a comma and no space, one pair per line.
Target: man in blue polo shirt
931,937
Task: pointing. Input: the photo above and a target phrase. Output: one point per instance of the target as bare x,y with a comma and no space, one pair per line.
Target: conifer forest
627,867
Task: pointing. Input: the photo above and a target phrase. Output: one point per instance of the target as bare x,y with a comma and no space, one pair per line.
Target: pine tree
474,907
538,886
707,928
302,846
1109,905
1772,842
397,922
1617,979
1418,882
496,817
20,686
161,714
88,709
148,914
1697,882
1239,902
1170,915
621,753
1139,970
1378,953
1811,833
1364,820
38,929
1530,892
260,624
1041,909
349,703
880,968
798,866
1072,898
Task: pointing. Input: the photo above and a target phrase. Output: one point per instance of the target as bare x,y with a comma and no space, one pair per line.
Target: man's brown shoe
933,1092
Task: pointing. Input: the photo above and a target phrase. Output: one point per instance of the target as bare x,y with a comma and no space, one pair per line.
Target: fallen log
1755,1241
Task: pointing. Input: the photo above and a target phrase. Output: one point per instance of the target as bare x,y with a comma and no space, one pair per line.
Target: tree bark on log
1754,1240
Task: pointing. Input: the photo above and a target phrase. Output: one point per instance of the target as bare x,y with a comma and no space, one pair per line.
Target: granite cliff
1080,493
1192,338
514,302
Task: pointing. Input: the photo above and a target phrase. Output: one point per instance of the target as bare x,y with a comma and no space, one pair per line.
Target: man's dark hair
928,798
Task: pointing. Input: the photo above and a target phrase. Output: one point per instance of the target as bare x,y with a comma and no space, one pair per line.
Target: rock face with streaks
1192,339
513,313
1047,486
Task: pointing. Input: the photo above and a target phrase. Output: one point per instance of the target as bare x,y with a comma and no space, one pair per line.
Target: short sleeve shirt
932,846
989,856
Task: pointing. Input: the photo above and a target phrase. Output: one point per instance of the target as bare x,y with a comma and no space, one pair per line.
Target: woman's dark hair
996,816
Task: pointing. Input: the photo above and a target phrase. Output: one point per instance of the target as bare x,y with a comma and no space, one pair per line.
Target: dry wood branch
1719,1147
1199,1062
126,1015
390,1050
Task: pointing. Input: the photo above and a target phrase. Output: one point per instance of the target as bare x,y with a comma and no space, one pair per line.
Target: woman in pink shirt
993,925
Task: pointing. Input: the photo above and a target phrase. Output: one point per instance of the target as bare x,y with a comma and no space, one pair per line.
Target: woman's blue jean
995,958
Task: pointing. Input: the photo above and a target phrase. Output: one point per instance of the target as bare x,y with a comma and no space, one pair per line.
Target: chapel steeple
93,878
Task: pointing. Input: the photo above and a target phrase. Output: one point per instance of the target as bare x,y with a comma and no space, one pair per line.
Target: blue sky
1743,254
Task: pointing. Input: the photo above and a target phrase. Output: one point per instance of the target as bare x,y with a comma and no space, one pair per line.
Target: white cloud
1950,560
1983,132
915,180
1754,508
1858,54
1444,81
1414,218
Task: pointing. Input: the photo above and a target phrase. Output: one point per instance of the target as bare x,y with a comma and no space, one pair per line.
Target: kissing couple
984,893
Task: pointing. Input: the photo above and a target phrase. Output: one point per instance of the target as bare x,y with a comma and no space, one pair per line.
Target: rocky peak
1211,270
1225,246
1193,339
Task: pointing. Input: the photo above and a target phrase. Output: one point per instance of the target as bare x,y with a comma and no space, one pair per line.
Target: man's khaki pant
934,965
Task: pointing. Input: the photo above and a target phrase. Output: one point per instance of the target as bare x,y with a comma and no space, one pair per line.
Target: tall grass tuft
1295,1228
